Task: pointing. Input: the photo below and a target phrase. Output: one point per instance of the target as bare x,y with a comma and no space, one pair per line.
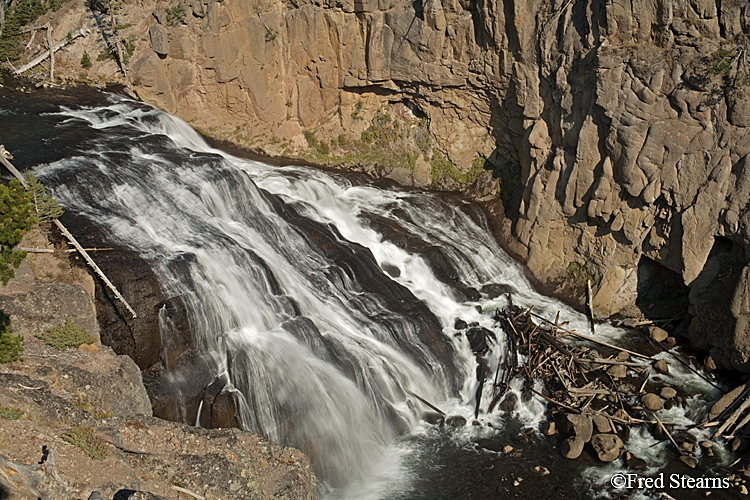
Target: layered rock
622,159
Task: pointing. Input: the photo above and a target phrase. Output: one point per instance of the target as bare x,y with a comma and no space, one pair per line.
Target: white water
318,362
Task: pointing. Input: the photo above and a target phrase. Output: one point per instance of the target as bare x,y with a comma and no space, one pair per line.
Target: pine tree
17,216
85,60
46,208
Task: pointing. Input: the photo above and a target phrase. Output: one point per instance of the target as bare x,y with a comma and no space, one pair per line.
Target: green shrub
271,34
10,345
86,60
10,413
84,437
320,147
68,335
176,15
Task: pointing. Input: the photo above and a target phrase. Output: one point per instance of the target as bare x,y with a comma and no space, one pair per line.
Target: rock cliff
618,130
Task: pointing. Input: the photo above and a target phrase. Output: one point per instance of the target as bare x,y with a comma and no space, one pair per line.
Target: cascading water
308,292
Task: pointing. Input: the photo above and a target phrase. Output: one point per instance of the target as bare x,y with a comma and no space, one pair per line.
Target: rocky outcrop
77,421
622,158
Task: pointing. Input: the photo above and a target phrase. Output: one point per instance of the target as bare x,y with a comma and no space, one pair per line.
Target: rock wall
622,159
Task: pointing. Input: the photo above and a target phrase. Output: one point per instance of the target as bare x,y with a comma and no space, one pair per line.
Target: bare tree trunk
51,54
120,59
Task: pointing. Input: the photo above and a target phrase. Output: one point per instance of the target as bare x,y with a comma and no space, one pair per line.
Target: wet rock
687,446
572,447
634,463
710,364
433,417
607,446
478,338
602,424
494,290
661,366
657,334
617,371
508,402
549,428
456,421
668,392
460,324
671,342
507,449
391,270
652,402
579,426
706,445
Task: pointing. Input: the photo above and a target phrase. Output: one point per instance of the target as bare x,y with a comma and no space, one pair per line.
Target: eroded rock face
612,140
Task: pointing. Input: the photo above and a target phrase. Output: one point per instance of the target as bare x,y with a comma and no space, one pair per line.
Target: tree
17,215
46,208
85,60
732,63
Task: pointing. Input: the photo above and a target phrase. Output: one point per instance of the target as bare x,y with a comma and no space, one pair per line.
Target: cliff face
621,157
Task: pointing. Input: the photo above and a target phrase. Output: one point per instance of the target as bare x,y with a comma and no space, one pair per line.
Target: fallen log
82,31
4,154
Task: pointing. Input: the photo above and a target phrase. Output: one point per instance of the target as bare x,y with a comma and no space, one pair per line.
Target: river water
326,302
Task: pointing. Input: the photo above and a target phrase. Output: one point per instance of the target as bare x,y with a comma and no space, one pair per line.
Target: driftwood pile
731,417
594,398
577,379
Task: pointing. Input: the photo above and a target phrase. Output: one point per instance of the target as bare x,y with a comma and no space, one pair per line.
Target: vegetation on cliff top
67,335
18,14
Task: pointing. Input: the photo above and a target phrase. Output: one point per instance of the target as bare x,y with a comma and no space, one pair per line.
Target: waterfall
311,294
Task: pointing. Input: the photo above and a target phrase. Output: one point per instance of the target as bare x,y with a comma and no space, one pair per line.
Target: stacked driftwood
575,377
731,417
594,397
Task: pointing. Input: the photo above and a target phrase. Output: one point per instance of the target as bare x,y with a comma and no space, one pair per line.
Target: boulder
159,42
661,366
602,424
607,446
657,334
456,421
668,392
579,426
433,417
572,447
652,402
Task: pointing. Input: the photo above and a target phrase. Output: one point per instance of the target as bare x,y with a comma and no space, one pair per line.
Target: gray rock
159,42
456,421
433,417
